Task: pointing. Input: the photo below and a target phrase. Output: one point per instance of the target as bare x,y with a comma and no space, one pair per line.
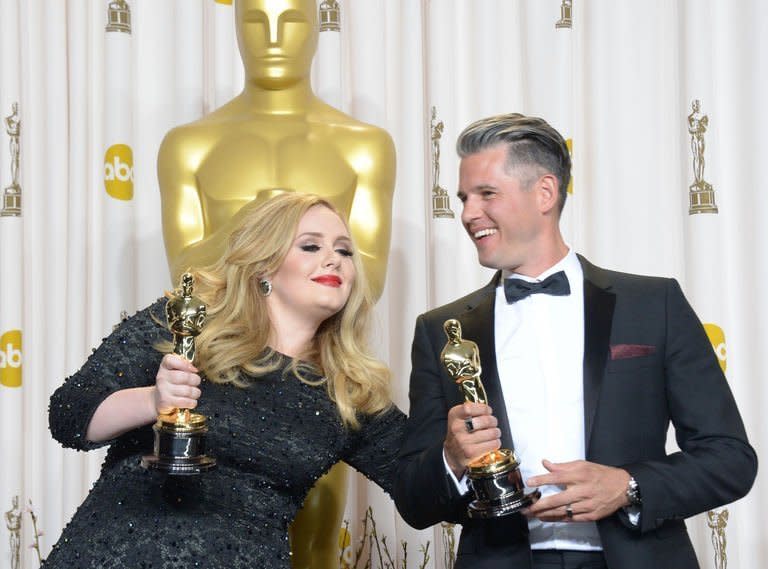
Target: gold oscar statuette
495,476
180,435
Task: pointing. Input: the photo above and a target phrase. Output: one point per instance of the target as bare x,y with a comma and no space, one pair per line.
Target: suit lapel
477,324
599,304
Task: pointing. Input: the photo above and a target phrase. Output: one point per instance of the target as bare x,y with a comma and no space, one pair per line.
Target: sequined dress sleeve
369,450
272,440
126,358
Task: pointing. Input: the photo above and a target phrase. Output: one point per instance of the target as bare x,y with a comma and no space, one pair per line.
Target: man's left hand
591,492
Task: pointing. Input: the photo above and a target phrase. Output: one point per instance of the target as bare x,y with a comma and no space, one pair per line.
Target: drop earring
265,287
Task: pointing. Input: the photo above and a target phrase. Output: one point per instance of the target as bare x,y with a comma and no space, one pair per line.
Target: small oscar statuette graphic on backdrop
701,193
566,10
717,520
180,435
13,523
119,17
330,16
11,206
495,476
441,205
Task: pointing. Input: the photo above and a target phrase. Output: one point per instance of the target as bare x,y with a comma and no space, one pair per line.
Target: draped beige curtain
89,87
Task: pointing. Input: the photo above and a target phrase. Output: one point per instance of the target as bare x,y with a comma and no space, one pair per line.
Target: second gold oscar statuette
495,476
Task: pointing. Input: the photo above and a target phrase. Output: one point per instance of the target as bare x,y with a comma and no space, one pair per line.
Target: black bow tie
517,289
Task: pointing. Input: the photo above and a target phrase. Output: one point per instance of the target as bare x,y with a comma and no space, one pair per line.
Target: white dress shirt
540,355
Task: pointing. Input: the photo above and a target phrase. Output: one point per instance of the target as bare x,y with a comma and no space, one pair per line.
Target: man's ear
548,194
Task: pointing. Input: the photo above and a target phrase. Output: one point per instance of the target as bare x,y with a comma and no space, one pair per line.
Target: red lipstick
328,280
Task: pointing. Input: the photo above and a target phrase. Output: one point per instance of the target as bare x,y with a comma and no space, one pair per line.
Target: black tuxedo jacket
647,363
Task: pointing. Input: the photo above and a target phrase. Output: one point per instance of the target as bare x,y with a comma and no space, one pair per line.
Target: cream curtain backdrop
618,79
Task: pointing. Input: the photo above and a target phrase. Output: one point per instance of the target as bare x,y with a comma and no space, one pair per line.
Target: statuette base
441,206
498,486
502,506
702,198
180,447
11,201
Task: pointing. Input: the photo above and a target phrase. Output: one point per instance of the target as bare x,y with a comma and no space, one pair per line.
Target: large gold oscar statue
277,136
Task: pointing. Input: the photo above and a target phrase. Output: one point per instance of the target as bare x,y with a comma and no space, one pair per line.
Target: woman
290,389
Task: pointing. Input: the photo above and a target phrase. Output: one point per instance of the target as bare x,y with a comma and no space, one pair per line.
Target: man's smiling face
501,210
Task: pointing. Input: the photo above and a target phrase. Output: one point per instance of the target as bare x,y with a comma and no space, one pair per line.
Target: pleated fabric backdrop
662,102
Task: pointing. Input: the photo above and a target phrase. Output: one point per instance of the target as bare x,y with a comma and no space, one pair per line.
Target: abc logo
10,358
118,171
717,337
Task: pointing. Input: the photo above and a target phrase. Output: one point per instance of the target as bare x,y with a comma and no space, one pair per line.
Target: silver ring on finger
469,425
568,511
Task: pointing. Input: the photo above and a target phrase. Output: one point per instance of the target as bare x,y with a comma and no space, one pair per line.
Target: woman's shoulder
147,325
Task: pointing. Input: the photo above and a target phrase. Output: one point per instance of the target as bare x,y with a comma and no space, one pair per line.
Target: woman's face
315,280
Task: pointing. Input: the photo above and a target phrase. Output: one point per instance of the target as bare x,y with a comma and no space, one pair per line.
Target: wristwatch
633,492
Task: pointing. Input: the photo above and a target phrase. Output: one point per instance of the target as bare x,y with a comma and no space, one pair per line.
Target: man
582,383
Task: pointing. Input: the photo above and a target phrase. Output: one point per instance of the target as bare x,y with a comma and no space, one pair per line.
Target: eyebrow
321,235
478,188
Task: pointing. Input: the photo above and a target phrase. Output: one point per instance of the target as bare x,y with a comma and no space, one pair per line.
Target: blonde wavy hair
236,334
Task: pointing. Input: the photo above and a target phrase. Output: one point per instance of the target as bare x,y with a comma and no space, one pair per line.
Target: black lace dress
272,440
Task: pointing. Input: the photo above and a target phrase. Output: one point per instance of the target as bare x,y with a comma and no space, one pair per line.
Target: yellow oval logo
569,144
10,358
118,171
346,556
717,338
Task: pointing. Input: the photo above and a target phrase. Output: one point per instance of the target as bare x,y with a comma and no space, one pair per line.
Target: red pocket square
624,351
